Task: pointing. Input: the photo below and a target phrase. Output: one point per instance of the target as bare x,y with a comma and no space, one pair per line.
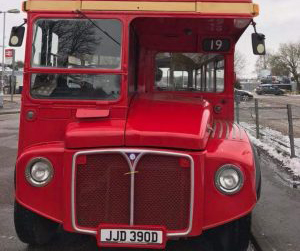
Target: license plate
131,236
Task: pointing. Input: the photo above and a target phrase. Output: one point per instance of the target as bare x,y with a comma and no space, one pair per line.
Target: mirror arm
25,22
255,30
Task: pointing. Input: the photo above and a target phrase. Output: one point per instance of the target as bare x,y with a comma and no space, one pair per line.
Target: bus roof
203,7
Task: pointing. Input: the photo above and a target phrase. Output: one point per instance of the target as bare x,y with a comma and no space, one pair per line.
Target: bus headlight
39,172
229,179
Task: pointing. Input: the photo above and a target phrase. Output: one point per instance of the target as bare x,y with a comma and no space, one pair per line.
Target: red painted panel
167,120
48,200
90,134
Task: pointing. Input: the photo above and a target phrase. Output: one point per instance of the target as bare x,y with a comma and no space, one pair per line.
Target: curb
9,112
290,182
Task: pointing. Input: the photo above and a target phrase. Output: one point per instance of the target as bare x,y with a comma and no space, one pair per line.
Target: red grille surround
162,190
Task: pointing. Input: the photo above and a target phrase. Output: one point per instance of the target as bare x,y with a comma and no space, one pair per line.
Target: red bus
127,126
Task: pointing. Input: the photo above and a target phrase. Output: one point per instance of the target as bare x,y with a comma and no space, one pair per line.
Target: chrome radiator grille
132,187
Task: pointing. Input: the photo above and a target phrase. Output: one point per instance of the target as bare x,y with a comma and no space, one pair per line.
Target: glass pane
189,72
71,86
77,43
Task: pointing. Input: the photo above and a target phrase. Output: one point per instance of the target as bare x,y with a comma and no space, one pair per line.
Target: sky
279,20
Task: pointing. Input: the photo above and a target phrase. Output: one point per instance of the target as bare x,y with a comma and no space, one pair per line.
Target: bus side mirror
258,44
16,36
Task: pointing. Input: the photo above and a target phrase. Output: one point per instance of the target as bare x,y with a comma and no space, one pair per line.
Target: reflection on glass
77,43
189,72
71,86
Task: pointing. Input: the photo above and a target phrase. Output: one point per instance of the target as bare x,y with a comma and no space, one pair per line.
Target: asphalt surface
276,218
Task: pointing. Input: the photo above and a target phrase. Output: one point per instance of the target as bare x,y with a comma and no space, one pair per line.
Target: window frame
29,70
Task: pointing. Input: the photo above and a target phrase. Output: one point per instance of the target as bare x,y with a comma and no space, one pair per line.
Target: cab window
189,72
67,43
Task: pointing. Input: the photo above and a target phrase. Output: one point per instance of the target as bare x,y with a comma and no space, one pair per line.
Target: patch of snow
277,146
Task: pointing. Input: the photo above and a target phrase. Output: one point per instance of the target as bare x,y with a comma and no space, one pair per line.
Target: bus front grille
111,188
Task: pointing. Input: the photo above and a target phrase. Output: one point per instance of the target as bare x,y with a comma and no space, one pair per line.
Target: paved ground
10,106
276,218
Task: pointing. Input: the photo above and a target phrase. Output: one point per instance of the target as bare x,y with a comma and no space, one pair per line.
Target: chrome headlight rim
28,170
240,184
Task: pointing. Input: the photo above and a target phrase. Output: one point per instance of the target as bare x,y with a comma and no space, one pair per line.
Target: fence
277,122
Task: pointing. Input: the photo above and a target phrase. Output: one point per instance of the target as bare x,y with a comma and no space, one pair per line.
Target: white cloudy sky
279,20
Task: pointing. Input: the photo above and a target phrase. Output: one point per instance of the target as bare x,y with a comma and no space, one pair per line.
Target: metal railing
278,118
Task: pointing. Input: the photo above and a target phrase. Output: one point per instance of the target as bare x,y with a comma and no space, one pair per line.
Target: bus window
190,72
77,43
73,86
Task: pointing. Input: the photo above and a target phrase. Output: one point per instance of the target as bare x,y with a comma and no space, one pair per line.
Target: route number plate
216,45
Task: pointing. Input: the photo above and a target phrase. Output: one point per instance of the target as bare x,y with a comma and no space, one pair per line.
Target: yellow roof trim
198,7
226,8
139,6
52,5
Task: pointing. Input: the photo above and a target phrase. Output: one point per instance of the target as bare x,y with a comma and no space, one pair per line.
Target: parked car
269,89
242,95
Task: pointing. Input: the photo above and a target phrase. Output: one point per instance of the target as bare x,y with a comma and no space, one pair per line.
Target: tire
32,228
233,236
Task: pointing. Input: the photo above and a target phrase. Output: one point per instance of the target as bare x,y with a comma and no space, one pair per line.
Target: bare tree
239,63
288,58
263,63
278,68
239,67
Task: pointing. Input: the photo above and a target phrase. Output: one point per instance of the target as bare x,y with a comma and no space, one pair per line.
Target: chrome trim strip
240,130
214,130
131,188
233,131
132,168
73,199
227,130
221,129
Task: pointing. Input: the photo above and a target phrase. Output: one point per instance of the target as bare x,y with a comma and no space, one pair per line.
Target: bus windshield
189,72
76,44
68,43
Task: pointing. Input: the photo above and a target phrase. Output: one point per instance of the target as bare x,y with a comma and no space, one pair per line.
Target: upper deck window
68,43
189,72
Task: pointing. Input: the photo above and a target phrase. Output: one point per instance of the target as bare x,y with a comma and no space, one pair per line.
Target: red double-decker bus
127,124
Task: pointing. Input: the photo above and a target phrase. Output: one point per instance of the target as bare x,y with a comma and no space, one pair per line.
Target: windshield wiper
99,28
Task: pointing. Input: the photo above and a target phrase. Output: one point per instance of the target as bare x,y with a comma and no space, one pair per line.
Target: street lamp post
13,11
